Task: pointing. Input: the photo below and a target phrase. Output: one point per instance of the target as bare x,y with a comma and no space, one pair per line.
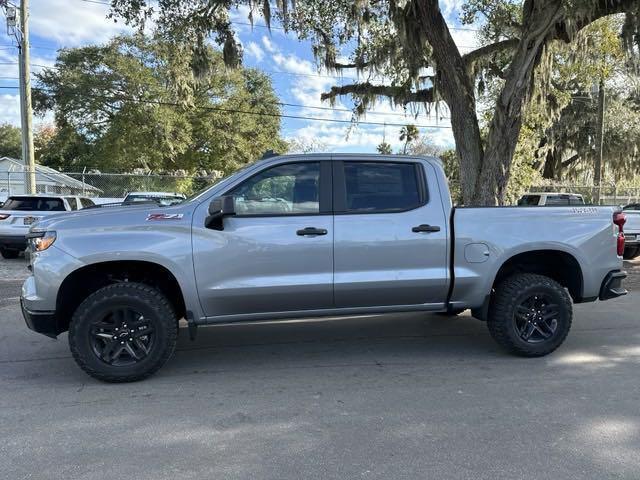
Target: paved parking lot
390,397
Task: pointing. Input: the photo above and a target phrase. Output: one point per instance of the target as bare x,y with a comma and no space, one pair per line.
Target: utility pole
26,109
597,173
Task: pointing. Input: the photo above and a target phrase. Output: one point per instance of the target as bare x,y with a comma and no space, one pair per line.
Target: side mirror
219,208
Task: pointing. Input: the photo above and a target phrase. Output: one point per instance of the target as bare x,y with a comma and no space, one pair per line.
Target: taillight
4,216
620,219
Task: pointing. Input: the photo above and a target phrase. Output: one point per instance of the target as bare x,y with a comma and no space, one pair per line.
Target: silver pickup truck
308,236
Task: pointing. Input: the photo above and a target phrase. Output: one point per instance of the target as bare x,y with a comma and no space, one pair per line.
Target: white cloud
268,44
254,50
10,109
73,23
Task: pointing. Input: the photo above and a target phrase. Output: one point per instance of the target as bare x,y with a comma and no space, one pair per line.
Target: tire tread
500,316
159,303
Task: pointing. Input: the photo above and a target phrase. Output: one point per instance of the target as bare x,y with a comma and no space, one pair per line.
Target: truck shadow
351,340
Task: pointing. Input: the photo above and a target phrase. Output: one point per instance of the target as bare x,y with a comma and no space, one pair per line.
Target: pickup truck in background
19,212
550,199
308,236
632,231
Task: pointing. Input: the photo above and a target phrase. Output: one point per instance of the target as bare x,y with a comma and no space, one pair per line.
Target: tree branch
487,50
582,18
398,94
570,160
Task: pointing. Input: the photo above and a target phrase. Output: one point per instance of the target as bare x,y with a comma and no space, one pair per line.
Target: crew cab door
276,253
390,234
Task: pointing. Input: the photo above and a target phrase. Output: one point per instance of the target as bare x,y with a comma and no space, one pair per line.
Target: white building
48,180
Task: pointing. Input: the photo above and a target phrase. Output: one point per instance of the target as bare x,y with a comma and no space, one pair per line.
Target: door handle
311,231
425,228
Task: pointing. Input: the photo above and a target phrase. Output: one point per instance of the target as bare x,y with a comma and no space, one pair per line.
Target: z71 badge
164,216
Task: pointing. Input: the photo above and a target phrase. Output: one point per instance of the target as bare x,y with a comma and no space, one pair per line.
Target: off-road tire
9,253
508,296
631,252
157,309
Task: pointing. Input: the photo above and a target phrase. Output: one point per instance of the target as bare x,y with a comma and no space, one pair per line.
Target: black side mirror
219,208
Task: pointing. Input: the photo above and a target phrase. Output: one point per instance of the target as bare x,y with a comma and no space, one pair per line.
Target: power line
263,114
288,104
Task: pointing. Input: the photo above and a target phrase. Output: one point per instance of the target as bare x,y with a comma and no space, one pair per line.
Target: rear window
85,202
381,187
557,200
40,204
73,203
564,200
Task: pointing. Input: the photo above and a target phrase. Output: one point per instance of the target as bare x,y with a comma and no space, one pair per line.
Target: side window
292,188
554,200
381,187
575,200
73,203
85,202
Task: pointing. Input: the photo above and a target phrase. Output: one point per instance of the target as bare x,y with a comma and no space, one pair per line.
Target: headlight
40,241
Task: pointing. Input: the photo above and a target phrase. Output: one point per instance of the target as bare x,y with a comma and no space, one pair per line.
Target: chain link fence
113,187
103,187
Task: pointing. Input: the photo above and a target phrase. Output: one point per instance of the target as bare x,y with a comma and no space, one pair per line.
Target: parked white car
632,231
19,212
163,198
547,199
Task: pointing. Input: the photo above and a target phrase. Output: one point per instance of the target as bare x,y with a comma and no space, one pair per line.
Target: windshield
39,204
204,190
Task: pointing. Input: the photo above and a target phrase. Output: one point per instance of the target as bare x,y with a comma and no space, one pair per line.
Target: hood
108,217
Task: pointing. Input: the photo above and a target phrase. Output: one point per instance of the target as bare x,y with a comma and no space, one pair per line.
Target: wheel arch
560,265
87,279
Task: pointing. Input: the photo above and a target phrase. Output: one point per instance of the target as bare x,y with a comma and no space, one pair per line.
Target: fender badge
164,216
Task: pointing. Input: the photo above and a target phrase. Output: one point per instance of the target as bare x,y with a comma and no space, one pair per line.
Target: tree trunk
507,119
456,84
552,164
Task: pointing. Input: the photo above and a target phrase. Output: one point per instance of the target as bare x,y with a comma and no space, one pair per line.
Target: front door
276,254
390,234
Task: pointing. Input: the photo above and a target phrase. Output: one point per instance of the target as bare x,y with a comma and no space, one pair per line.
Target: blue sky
289,62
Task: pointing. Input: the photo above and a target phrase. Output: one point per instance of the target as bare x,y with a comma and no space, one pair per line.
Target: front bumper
41,322
612,285
18,242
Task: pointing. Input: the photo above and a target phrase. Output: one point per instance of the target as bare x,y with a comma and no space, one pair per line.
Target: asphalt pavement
388,397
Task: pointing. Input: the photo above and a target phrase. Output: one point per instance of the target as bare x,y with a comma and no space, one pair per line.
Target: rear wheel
631,252
9,253
123,332
530,315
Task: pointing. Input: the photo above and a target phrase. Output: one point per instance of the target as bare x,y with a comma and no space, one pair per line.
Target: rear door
390,234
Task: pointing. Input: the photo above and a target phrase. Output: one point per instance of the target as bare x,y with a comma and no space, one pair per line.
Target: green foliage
560,127
10,141
120,106
408,134
384,148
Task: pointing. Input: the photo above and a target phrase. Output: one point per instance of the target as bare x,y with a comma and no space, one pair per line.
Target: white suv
19,212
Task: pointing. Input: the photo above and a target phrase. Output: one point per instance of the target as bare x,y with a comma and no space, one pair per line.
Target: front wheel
123,332
530,315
